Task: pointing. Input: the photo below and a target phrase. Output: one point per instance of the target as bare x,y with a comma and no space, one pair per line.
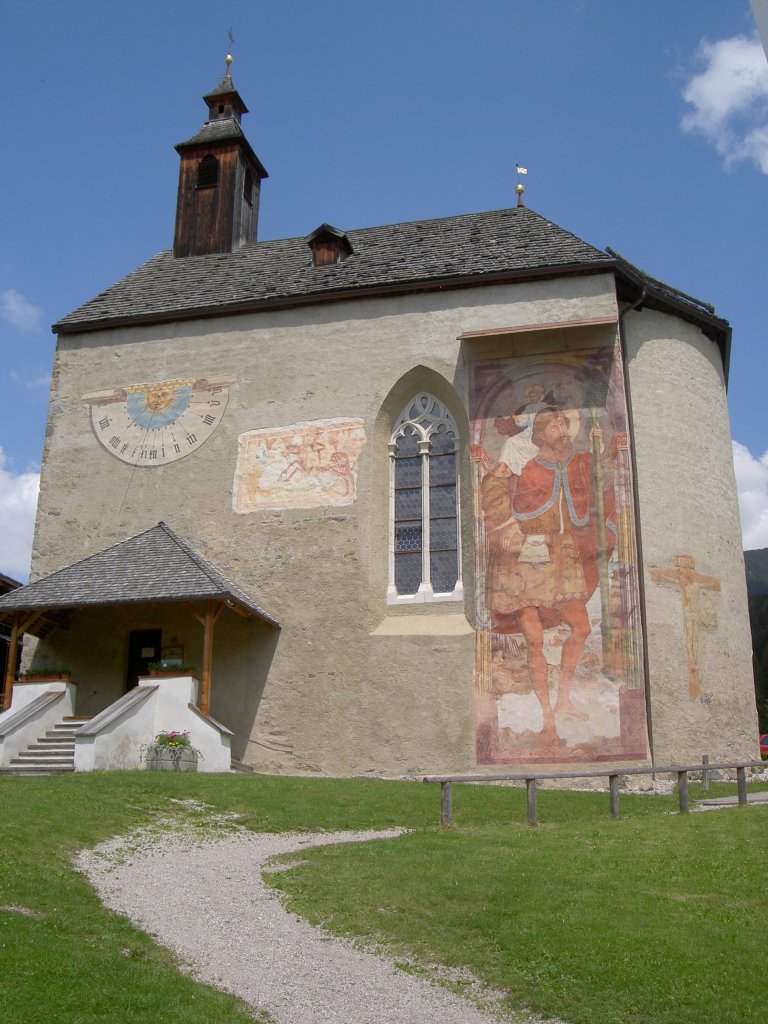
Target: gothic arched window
425,550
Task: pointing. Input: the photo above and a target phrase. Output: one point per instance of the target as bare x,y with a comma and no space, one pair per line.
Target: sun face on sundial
159,398
156,423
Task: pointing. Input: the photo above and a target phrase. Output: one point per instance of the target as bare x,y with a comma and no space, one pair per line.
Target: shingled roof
225,87
152,566
474,248
216,131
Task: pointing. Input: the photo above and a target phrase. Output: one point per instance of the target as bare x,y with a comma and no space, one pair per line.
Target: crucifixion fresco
690,584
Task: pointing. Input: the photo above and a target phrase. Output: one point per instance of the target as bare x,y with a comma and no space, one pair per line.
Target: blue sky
644,127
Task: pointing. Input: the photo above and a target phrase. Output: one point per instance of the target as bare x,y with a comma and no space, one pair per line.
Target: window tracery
425,551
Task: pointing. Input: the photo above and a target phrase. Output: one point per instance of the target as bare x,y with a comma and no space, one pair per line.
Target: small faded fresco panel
304,465
558,674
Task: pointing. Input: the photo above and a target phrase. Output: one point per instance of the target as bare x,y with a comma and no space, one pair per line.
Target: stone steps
51,754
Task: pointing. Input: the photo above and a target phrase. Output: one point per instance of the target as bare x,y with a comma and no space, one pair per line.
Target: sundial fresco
157,423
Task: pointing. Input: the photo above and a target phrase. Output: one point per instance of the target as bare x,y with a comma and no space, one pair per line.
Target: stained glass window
425,559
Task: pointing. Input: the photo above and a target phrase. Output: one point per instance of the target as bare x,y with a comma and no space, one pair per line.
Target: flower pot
45,677
171,673
172,759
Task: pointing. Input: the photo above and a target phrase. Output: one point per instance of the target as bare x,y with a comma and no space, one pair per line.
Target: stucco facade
280,404
355,684
687,501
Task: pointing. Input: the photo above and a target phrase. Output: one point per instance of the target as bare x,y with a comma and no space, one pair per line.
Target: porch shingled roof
152,566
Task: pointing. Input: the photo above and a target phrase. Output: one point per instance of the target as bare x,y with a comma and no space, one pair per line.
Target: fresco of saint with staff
558,674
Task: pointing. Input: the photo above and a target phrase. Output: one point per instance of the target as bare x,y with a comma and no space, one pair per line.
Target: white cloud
730,99
18,502
43,382
19,311
752,484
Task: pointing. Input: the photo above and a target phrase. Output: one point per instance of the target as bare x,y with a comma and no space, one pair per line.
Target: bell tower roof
224,100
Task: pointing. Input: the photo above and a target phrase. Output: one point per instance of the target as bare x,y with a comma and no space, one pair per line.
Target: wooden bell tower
220,177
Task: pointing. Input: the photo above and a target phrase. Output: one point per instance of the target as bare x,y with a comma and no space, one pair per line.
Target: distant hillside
757,588
757,571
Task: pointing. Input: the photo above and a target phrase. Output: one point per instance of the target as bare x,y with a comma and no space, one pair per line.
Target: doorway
144,648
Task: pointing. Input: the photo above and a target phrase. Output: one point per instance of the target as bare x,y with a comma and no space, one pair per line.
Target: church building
430,497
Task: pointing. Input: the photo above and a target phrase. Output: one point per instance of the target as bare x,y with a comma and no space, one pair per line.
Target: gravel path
204,897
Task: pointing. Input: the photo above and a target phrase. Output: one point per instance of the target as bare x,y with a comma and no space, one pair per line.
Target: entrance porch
142,630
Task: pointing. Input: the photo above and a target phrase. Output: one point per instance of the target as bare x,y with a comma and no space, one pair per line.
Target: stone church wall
699,646
355,685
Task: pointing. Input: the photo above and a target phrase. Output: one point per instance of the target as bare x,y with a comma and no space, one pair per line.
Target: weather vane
520,187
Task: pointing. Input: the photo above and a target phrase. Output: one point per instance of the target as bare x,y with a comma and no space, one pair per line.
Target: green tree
758,619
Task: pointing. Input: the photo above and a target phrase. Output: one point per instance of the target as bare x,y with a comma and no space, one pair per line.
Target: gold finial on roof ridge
520,187
228,59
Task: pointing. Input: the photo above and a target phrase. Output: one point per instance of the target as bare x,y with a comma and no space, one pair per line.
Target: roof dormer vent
328,245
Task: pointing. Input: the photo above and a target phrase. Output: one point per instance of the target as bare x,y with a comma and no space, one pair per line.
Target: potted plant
162,668
44,674
171,751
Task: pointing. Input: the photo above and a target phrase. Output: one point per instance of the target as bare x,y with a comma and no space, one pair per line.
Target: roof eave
231,600
654,297
340,295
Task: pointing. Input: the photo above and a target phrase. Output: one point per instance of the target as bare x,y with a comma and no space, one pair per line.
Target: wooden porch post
18,629
10,668
205,682
213,610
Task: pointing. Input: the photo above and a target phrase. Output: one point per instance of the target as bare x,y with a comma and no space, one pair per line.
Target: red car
764,744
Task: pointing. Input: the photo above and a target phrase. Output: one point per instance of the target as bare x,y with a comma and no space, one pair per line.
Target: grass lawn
656,917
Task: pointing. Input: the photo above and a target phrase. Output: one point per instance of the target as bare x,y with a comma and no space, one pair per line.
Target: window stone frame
425,415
